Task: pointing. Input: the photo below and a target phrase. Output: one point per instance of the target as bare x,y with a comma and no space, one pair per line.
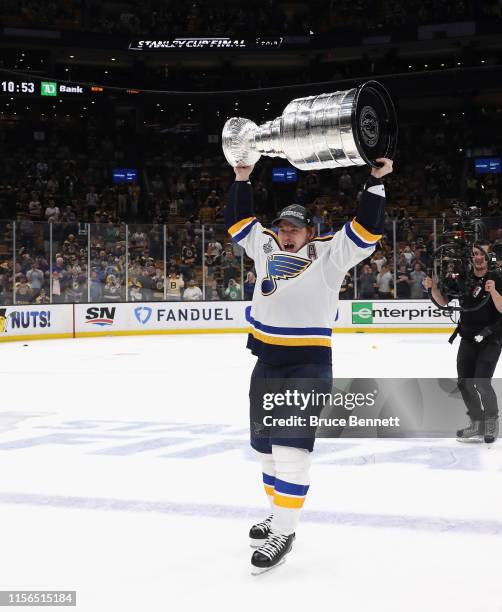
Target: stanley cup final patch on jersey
477,291
282,266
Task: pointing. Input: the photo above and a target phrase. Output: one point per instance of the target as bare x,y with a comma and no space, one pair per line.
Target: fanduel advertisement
160,317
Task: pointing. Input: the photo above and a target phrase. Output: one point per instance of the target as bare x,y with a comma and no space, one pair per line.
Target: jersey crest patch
267,247
282,266
311,251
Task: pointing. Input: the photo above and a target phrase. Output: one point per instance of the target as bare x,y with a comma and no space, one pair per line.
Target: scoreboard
36,87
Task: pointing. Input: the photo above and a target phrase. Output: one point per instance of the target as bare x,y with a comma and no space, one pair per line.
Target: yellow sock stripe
284,501
236,227
269,490
363,232
291,341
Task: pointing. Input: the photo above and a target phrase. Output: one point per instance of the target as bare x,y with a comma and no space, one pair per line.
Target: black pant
476,363
268,380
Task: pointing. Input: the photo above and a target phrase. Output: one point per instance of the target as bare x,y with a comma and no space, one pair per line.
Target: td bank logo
362,312
48,88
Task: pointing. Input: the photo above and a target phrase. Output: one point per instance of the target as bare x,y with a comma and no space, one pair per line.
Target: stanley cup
344,128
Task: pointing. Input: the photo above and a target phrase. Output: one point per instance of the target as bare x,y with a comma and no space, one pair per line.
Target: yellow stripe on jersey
363,232
284,501
237,227
280,340
269,490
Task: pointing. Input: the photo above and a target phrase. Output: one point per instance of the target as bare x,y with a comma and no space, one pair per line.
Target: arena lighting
96,89
112,59
106,71
442,65
72,57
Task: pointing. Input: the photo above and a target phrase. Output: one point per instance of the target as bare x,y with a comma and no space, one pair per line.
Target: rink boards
88,320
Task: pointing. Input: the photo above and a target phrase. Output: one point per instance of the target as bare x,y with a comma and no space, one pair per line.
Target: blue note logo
282,266
143,314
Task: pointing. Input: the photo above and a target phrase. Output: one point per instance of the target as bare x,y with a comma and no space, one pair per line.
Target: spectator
52,211
42,298
347,287
367,282
417,279
112,289
24,293
175,285
384,282
35,278
188,256
212,290
91,200
379,260
96,287
233,291
192,292
403,281
249,285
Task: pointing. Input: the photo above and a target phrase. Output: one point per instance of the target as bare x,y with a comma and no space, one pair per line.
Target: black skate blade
257,571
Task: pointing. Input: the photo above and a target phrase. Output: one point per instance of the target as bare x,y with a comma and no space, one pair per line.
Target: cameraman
479,351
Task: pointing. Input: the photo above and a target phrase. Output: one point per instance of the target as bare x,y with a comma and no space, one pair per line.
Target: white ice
125,475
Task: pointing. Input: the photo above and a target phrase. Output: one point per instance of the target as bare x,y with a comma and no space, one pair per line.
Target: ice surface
125,474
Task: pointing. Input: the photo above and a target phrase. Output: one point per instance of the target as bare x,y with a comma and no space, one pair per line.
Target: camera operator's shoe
472,433
260,532
491,429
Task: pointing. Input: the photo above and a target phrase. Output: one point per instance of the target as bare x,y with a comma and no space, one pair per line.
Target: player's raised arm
241,223
358,238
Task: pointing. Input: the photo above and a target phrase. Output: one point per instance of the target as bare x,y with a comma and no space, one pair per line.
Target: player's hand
386,167
427,282
242,173
490,287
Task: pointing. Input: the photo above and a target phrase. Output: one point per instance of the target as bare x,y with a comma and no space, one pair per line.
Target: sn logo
100,315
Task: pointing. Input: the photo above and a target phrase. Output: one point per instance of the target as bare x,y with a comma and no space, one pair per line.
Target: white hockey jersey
296,294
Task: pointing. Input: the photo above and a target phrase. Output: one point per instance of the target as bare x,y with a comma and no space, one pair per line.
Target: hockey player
292,314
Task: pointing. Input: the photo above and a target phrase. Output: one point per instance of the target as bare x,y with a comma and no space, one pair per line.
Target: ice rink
125,474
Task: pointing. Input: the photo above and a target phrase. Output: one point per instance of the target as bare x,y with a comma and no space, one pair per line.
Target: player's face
293,238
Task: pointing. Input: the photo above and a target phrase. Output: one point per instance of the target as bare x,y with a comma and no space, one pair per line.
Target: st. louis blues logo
282,266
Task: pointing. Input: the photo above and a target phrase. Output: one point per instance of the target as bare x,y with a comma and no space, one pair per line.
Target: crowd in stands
72,243
266,17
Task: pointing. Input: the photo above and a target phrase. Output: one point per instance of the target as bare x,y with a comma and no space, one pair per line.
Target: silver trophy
344,128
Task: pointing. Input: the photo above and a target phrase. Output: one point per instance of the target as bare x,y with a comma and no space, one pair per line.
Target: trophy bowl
345,128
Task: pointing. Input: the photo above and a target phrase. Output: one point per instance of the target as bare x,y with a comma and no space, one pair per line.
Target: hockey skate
272,553
491,429
260,532
472,433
